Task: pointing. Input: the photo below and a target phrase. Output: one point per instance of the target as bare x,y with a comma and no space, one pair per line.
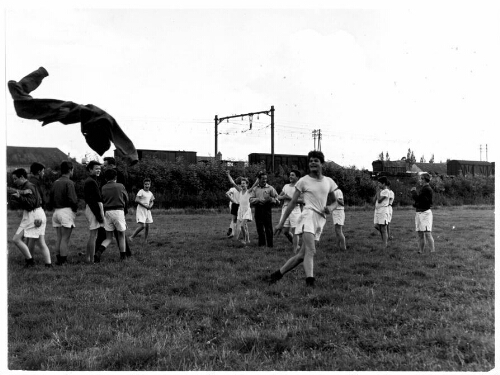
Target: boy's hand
38,222
278,228
327,210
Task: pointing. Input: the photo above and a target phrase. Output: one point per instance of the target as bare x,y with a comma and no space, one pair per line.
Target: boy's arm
232,181
289,209
331,199
73,199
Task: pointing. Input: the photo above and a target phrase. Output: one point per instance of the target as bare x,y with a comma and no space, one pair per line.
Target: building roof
391,163
22,157
472,162
435,168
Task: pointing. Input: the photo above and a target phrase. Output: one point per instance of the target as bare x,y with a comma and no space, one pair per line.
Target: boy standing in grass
94,209
37,171
34,220
317,190
381,200
234,196
65,204
115,201
423,216
144,200
291,222
391,200
338,217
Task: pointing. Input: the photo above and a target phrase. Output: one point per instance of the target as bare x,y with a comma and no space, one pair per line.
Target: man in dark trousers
262,198
110,163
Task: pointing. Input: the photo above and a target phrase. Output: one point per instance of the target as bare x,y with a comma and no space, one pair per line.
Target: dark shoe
123,255
98,253
229,231
61,260
310,282
29,263
48,265
289,237
128,253
273,277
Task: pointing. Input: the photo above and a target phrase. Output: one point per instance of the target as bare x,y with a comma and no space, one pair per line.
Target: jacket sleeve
73,199
29,201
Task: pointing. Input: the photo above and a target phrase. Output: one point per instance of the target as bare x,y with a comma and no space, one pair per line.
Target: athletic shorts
143,215
63,217
423,221
381,217
28,223
311,222
115,219
93,223
338,217
293,218
234,209
389,217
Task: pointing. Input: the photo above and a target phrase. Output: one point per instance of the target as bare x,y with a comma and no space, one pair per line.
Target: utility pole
314,137
269,113
480,152
486,152
319,139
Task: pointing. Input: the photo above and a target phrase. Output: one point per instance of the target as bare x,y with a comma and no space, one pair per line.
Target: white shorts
389,214
115,219
293,218
93,223
338,217
143,216
423,221
63,217
311,222
381,217
28,223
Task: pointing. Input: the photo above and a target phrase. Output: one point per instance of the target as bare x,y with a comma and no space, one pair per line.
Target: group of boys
106,205
320,196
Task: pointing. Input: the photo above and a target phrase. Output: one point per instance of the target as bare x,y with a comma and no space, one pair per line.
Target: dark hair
383,180
388,183
297,173
20,172
244,179
426,176
36,168
110,160
335,180
91,164
261,173
147,179
66,167
316,154
110,174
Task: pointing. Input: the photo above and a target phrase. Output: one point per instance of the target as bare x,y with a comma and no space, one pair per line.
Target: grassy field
193,300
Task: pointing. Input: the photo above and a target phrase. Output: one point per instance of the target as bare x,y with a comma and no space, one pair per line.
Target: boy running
317,190
144,200
381,216
34,220
291,222
423,216
338,217
115,201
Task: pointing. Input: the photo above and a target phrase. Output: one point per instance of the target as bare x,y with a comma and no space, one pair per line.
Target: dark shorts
234,209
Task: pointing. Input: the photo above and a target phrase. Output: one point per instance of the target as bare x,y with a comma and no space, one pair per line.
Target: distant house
470,167
23,157
389,167
435,169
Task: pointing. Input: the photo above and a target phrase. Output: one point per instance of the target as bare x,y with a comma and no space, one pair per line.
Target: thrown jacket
97,126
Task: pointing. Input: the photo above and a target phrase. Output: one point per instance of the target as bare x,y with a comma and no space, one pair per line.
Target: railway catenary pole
269,113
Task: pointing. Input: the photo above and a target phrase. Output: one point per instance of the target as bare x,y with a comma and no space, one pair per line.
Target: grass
192,300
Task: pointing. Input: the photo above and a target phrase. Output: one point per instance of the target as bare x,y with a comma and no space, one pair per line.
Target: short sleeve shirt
385,202
145,197
290,191
338,195
391,197
315,192
233,192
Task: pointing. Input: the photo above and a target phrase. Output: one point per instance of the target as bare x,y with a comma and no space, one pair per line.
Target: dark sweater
114,196
423,200
97,126
39,188
28,202
92,196
63,194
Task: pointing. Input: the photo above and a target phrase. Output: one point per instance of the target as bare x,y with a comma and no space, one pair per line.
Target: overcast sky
373,80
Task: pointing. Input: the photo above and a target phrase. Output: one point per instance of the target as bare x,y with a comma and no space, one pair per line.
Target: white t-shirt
315,192
391,197
288,190
145,197
385,202
338,195
233,192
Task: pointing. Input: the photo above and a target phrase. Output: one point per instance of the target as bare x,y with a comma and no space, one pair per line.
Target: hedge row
177,185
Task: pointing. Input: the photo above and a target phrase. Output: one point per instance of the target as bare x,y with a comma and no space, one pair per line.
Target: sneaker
273,277
29,263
